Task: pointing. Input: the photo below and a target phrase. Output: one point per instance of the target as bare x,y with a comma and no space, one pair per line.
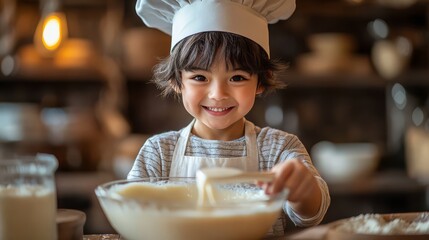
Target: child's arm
305,195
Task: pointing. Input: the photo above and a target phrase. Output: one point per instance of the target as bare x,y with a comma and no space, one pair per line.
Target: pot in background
143,49
391,57
333,53
332,44
345,162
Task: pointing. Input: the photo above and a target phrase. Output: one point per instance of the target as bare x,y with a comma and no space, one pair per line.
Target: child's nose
218,91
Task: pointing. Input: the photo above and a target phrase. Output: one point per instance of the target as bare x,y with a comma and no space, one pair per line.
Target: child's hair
200,50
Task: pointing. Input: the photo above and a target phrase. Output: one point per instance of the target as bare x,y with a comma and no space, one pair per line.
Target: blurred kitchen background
74,82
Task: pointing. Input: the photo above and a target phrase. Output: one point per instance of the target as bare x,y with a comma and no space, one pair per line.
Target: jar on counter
417,142
28,203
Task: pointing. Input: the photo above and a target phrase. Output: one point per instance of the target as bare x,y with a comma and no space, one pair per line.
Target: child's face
218,98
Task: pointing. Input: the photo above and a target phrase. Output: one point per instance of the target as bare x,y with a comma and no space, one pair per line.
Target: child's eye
199,78
237,78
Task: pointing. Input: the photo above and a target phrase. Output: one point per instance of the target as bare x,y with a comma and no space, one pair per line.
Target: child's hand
292,174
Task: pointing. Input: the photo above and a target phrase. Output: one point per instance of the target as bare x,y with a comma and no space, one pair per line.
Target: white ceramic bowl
345,162
166,208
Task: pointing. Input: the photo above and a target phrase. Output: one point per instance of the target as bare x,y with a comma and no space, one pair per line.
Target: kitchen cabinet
47,110
347,96
56,91
54,110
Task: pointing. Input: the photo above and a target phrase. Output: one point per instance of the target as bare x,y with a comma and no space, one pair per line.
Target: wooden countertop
312,233
102,237
320,232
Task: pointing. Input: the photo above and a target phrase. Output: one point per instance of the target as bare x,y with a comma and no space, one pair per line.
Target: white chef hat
182,18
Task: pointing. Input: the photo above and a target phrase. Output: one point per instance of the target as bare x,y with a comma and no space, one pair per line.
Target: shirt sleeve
154,158
307,222
147,162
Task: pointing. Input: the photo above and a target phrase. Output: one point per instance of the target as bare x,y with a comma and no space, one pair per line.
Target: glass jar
28,202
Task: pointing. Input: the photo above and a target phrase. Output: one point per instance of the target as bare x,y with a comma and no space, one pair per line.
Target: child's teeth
217,109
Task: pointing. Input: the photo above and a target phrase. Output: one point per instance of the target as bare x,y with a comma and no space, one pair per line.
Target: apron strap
180,149
251,147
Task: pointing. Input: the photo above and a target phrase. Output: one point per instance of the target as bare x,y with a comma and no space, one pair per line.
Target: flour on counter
376,224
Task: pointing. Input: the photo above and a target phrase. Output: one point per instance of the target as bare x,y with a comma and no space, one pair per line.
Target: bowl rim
102,191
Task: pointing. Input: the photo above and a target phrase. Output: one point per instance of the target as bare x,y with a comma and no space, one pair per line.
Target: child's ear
260,89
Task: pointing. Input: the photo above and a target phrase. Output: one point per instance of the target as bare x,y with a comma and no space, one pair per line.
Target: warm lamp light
51,35
51,32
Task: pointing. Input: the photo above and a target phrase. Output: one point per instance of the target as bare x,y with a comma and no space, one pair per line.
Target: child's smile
218,111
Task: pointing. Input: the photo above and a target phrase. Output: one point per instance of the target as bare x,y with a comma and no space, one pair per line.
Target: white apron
187,166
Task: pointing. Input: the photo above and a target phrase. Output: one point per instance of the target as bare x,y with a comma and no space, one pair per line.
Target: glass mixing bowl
168,208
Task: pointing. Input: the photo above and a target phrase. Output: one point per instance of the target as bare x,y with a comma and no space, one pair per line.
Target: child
219,63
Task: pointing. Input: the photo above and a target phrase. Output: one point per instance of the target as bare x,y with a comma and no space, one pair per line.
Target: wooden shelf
333,80
343,80
364,10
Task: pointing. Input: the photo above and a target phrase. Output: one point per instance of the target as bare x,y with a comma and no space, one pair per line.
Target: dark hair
201,49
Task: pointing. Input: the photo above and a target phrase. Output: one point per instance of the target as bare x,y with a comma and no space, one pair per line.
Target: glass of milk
28,203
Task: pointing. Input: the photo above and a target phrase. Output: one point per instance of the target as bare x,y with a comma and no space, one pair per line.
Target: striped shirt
275,146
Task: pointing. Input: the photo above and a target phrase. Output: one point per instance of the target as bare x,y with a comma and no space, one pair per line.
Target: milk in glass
28,198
